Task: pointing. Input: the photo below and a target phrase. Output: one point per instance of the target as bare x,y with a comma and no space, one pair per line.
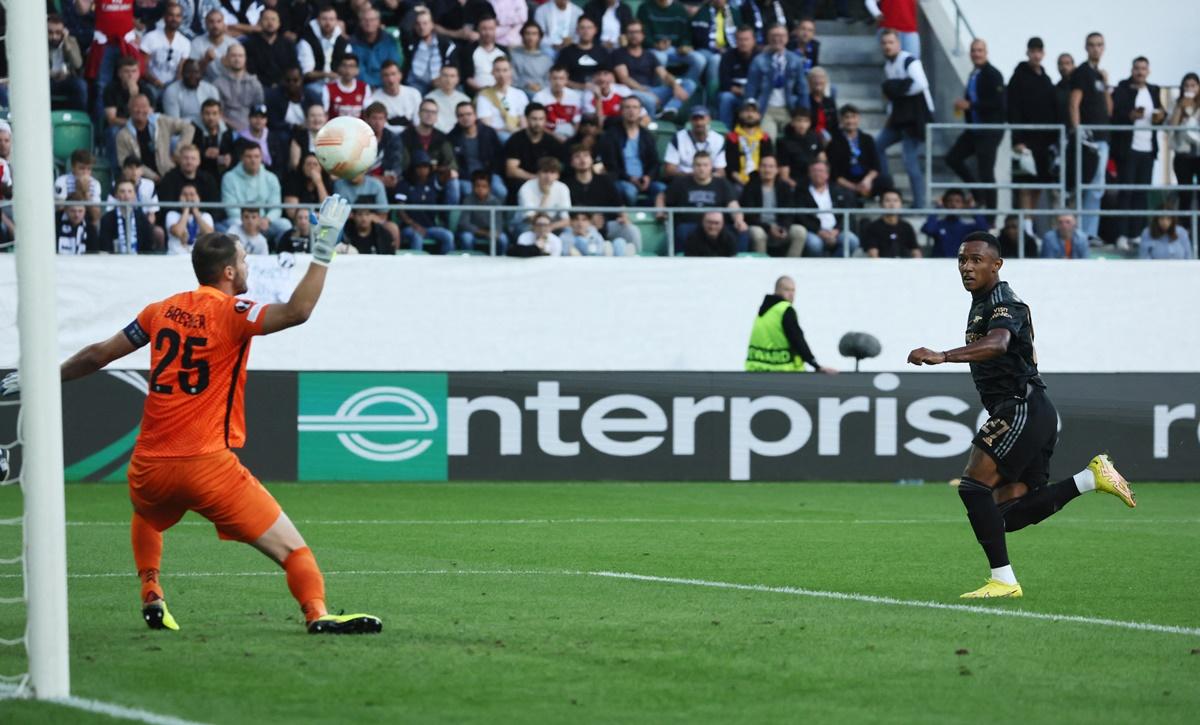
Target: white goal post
37,320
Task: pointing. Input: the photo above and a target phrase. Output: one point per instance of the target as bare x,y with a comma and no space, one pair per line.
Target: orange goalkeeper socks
306,583
147,555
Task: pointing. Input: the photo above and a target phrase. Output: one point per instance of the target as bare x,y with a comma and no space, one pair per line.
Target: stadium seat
72,130
394,31
715,125
103,174
663,135
654,234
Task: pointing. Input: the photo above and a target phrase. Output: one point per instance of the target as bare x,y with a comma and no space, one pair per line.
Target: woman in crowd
1164,239
1186,141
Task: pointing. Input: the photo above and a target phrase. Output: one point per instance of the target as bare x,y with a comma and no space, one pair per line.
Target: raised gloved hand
328,228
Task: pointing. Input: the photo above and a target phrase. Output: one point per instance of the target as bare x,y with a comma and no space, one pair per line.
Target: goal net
14,674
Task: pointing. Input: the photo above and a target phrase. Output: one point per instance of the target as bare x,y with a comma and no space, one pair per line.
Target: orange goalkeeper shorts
215,485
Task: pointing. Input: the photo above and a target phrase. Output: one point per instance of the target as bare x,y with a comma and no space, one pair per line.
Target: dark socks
1037,505
985,519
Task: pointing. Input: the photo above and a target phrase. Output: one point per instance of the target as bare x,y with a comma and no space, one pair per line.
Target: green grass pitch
494,612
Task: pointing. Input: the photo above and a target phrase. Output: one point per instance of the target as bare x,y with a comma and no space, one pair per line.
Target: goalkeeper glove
11,385
330,220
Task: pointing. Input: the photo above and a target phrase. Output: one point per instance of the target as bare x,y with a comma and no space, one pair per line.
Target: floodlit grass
494,612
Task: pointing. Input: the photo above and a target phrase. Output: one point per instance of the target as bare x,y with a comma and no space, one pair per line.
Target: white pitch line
120,711
761,588
916,603
105,708
346,572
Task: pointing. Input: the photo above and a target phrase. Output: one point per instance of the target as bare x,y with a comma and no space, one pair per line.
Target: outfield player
194,417
1004,487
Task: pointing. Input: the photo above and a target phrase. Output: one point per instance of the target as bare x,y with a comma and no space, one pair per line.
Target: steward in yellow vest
776,341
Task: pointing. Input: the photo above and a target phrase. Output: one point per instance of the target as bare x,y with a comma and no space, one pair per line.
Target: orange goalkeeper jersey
199,342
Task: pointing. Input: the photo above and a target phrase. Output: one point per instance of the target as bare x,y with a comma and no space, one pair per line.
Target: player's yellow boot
995,589
157,616
1110,481
345,624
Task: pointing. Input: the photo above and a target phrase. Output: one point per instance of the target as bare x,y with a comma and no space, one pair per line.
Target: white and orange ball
346,147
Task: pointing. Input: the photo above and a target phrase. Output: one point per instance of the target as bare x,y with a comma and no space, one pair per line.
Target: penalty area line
710,584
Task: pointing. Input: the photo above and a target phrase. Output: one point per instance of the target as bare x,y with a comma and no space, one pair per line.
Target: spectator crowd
556,105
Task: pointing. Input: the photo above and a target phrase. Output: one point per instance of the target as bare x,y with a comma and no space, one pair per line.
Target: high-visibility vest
769,349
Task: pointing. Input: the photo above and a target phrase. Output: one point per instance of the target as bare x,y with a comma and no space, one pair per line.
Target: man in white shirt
447,98
825,237
538,241
185,224
401,101
564,105
484,54
210,49
166,48
687,142
1138,103
545,194
502,106
908,126
80,177
558,19
318,49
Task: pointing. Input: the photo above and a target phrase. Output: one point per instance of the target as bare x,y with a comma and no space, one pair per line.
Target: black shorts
1020,436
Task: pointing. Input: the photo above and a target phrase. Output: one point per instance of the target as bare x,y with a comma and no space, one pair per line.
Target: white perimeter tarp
472,313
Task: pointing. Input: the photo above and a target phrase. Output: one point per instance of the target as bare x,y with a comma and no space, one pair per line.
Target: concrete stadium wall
479,314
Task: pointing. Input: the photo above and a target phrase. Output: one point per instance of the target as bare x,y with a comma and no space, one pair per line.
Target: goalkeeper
194,416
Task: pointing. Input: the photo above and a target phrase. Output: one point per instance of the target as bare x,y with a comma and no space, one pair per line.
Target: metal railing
1081,186
1086,186
960,22
500,217
930,184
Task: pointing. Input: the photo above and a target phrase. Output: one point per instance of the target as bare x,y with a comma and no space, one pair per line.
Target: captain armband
136,335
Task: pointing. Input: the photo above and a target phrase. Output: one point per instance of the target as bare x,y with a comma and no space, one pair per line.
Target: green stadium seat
663,135
654,234
102,173
715,125
662,126
71,130
395,33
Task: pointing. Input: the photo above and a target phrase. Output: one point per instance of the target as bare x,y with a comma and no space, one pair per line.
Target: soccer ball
346,147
